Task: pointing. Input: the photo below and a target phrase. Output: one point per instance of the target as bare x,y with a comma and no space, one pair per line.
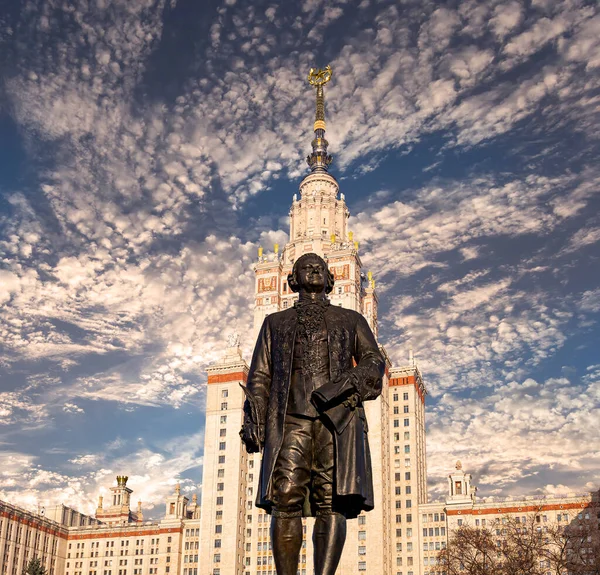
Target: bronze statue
313,367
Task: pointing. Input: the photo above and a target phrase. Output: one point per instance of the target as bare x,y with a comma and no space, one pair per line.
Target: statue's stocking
329,536
286,535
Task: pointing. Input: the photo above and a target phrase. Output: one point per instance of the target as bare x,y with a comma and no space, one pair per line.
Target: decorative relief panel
341,272
267,284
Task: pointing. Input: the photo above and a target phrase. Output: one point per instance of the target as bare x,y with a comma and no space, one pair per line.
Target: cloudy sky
148,147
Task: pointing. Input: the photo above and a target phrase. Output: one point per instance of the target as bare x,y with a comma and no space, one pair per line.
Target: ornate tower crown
122,480
319,159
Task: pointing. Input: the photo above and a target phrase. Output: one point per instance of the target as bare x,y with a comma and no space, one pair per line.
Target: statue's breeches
304,468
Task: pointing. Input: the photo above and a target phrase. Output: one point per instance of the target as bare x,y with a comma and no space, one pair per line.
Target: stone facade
438,520
70,543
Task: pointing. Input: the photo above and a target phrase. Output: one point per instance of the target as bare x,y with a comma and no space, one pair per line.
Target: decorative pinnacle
319,160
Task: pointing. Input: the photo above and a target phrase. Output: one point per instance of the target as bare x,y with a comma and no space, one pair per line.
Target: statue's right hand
250,437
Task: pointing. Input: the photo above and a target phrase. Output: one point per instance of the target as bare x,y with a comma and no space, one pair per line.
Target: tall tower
319,224
224,494
408,469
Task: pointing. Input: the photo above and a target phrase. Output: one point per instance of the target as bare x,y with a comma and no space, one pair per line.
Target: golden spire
319,160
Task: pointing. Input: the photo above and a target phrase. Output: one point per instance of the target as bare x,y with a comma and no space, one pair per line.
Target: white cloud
516,431
152,473
506,18
72,408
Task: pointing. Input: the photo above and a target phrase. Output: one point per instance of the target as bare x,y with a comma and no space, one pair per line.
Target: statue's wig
293,277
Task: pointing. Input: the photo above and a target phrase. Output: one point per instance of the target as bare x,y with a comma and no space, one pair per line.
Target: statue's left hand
250,437
342,389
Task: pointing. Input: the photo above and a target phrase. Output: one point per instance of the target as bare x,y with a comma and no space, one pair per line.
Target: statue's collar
312,298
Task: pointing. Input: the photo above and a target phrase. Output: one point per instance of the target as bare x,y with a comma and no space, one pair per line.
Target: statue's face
312,274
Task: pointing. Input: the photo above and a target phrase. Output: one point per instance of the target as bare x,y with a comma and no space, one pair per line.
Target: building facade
116,542
461,508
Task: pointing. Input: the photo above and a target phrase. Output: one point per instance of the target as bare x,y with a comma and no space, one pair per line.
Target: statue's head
311,273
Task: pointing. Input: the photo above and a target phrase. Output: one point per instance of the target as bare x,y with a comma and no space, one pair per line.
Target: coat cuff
334,391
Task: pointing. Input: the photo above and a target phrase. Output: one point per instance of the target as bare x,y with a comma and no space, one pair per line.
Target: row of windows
406,422
397,409
434,531
407,490
124,543
435,517
404,396
398,476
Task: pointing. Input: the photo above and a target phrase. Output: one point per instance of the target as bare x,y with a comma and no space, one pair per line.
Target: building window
222,432
223,419
220,486
406,435
218,529
396,410
221,459
406,409
406,422
225,393
220,473
224,406
362,535
395,397
407,476
362,565
219,501
222,445
406,397
396,423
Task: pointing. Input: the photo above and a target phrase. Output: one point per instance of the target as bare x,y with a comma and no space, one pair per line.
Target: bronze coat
350,340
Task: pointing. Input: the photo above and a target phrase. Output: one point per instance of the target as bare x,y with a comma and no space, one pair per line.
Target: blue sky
147,148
